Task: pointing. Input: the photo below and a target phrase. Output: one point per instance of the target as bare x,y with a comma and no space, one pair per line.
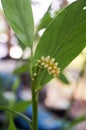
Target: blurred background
63,96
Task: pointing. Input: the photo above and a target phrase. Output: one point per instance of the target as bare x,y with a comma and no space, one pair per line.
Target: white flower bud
36,64
53,71
38,61
47,58
35,74
46,65
56,64
42,63
54,67
49,68
52,60
42,58
33,79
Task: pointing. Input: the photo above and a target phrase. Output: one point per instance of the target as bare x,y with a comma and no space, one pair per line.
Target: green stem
34,99
34,108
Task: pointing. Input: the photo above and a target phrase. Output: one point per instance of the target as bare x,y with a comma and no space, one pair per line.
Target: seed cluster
48,63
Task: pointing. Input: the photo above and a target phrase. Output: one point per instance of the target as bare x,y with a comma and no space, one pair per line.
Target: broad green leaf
19,15
64,38
16,113
11,125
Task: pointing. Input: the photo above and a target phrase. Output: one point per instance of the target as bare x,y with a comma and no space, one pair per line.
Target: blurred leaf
45,20
21,44
21,106
75,122
16,84
63,78
16,113
83,70
64,38
22,69
11,125
19,16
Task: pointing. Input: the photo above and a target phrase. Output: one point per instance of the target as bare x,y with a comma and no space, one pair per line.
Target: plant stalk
34,108
34,99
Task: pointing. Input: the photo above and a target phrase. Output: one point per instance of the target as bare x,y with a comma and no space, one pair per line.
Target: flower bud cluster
48,63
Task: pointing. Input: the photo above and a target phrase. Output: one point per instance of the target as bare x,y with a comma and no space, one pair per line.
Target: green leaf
11,125
22,69
45,20
63,78
19,15
16,84
21,106
64,38
16,113
75,122
21,44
